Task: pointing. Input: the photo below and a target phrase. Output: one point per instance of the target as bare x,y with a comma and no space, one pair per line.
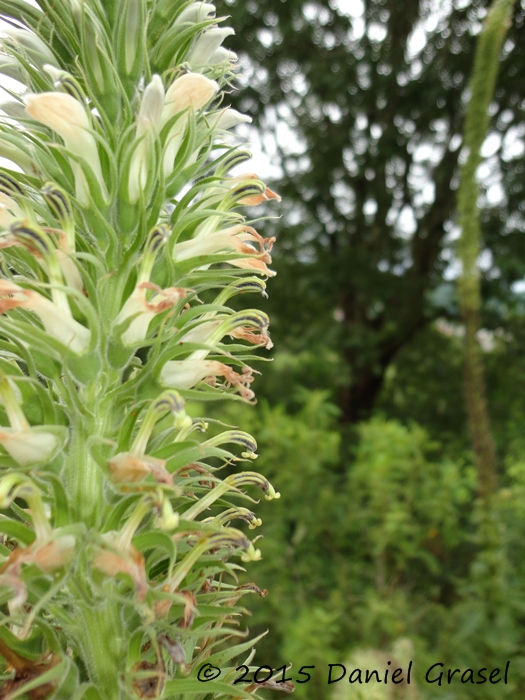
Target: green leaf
191,687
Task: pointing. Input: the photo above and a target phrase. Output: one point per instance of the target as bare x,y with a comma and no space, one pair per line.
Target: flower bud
229,118
17,155
148,126
235,513
189,91
207,44
196,12
167,401
66,115
10,186
237,437
32,45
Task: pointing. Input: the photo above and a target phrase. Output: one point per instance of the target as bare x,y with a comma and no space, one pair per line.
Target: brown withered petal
207,586
111,564
48,557
261,338
26,671
190,608
253,264
55,554
125,467
253,588
286,687
146,685
161,608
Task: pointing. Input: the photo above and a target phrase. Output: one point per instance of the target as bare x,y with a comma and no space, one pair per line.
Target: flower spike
123,241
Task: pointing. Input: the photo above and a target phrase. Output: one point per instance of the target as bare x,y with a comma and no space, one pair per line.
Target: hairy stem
476,125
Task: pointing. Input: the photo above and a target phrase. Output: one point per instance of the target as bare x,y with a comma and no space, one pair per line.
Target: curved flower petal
126,467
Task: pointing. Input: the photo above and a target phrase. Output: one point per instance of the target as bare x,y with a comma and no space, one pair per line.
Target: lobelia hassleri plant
123,240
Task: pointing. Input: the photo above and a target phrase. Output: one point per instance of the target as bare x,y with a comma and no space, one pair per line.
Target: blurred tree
361,108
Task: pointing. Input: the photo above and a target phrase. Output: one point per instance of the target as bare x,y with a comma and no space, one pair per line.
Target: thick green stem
84,478
101,643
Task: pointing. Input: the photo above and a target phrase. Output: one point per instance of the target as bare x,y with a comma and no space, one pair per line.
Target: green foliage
358,556
404,501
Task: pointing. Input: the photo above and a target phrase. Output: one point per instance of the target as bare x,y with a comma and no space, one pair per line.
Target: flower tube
188,91
56,321
148,126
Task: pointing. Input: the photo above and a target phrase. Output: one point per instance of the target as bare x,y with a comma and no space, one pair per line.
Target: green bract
122,240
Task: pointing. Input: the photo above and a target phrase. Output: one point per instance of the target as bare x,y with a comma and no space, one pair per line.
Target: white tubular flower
150,112
189,91
27,445
184,374
234,238
207,44
205,331
202,332
31,445
57,322
237,238
244,189
229,118
197,12
222,55
148,126
65,115
142,311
